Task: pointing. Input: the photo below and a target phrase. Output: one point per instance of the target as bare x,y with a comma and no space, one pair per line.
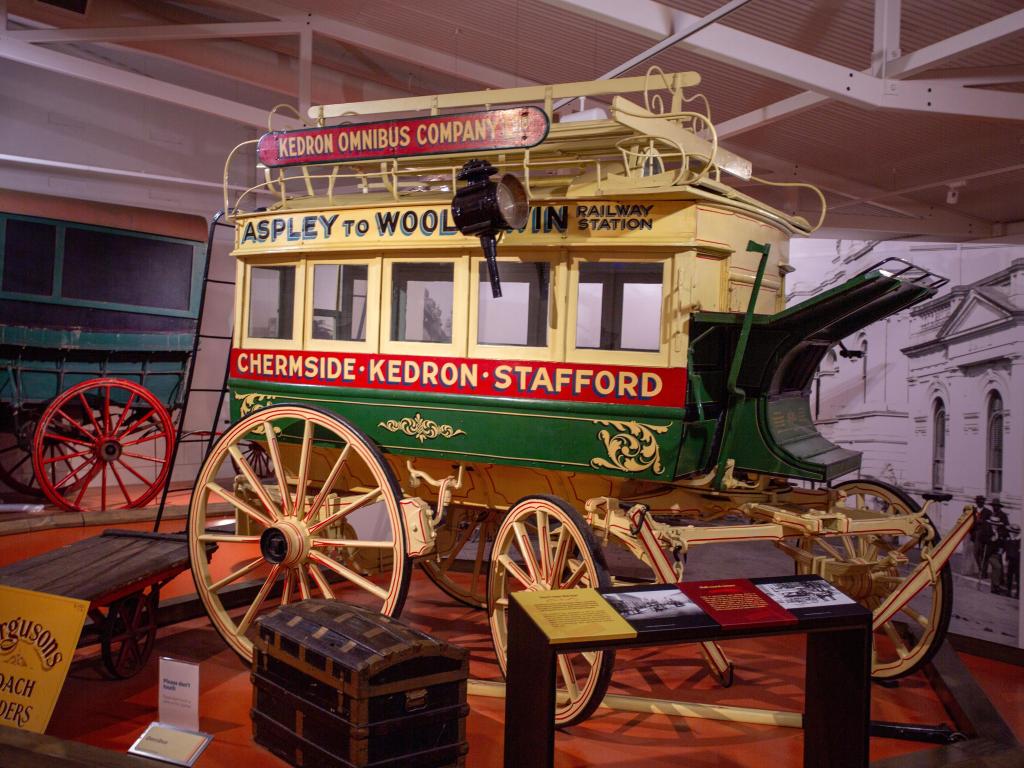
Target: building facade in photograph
929,397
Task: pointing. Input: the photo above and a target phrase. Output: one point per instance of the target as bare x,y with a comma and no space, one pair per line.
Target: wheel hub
286,543
110,450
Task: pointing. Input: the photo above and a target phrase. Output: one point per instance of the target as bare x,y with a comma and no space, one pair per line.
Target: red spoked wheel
103,444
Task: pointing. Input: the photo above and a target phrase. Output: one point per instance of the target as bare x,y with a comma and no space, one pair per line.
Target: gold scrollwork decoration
631,447
255,401
420,428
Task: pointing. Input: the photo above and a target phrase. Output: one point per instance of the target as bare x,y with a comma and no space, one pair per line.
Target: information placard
571,615
172,745
179,693
38,636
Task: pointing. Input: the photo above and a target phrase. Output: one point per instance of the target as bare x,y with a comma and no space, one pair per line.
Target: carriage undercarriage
340,526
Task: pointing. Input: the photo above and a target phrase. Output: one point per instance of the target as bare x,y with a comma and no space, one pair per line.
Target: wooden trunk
342,687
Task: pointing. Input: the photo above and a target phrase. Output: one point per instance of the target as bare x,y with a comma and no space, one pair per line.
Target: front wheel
870,567
326,523
544,544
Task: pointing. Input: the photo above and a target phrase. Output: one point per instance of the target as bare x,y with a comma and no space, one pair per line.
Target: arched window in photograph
938,444
994,445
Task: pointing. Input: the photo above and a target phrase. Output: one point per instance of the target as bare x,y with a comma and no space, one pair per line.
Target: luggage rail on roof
903,269
650,150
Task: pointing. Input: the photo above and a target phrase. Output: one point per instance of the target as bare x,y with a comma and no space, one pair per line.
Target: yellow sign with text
574,615
38,636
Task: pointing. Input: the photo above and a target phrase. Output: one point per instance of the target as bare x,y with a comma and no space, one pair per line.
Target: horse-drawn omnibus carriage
638,385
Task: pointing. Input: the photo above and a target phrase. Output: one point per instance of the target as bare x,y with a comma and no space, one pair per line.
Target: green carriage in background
639,388
99,306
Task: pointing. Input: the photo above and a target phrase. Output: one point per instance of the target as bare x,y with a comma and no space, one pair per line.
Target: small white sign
172,745
179,694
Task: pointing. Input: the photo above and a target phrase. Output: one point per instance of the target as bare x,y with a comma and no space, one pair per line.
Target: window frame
298,304
373,305
993,473
939,443
460,314
557,269
658,358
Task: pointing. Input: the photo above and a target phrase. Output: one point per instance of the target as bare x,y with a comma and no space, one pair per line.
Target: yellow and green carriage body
639,385
98,312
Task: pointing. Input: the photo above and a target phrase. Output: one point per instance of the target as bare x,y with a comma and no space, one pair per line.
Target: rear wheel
326,523
103,444
463,554
544,544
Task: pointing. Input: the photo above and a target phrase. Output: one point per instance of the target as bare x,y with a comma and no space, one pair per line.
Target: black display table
837,702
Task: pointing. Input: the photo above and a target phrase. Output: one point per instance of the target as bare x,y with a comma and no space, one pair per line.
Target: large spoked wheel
103,444
869,567
327,523
16,460
463,544
544,544
128,633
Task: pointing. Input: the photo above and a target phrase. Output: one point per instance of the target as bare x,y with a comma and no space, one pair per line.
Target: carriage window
421,302
28,257
339,302
619,306
271,302
125,269
520,316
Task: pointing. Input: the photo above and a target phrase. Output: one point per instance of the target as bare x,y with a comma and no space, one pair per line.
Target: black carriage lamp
484,208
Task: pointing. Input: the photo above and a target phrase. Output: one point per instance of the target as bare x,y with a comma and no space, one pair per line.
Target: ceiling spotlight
484,208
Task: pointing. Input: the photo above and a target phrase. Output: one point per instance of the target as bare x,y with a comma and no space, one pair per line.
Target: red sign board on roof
494,129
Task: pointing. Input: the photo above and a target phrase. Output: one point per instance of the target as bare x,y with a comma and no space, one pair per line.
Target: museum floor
111,714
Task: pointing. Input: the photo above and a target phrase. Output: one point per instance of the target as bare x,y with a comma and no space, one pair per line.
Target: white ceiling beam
886,46
754,54
1013,73
120,79
842,225
905,66
392,47
158,32
305,69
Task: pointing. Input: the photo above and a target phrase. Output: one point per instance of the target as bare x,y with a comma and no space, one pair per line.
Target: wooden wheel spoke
300,576
348,573
332,478
286,587
227,538
356,543
563,546
132,470
239,504
515,571
144,457
234,576
275,461
261,597
124,412
577,577
121,485
321,582
79,427
254,482
66,439
84,485
544,544
65,457
348,509
133,426
923,621
568,677
304,456
897,641
144,439
526,550
88,412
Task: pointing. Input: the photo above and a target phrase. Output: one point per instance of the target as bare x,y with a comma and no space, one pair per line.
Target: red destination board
494,129
597,383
